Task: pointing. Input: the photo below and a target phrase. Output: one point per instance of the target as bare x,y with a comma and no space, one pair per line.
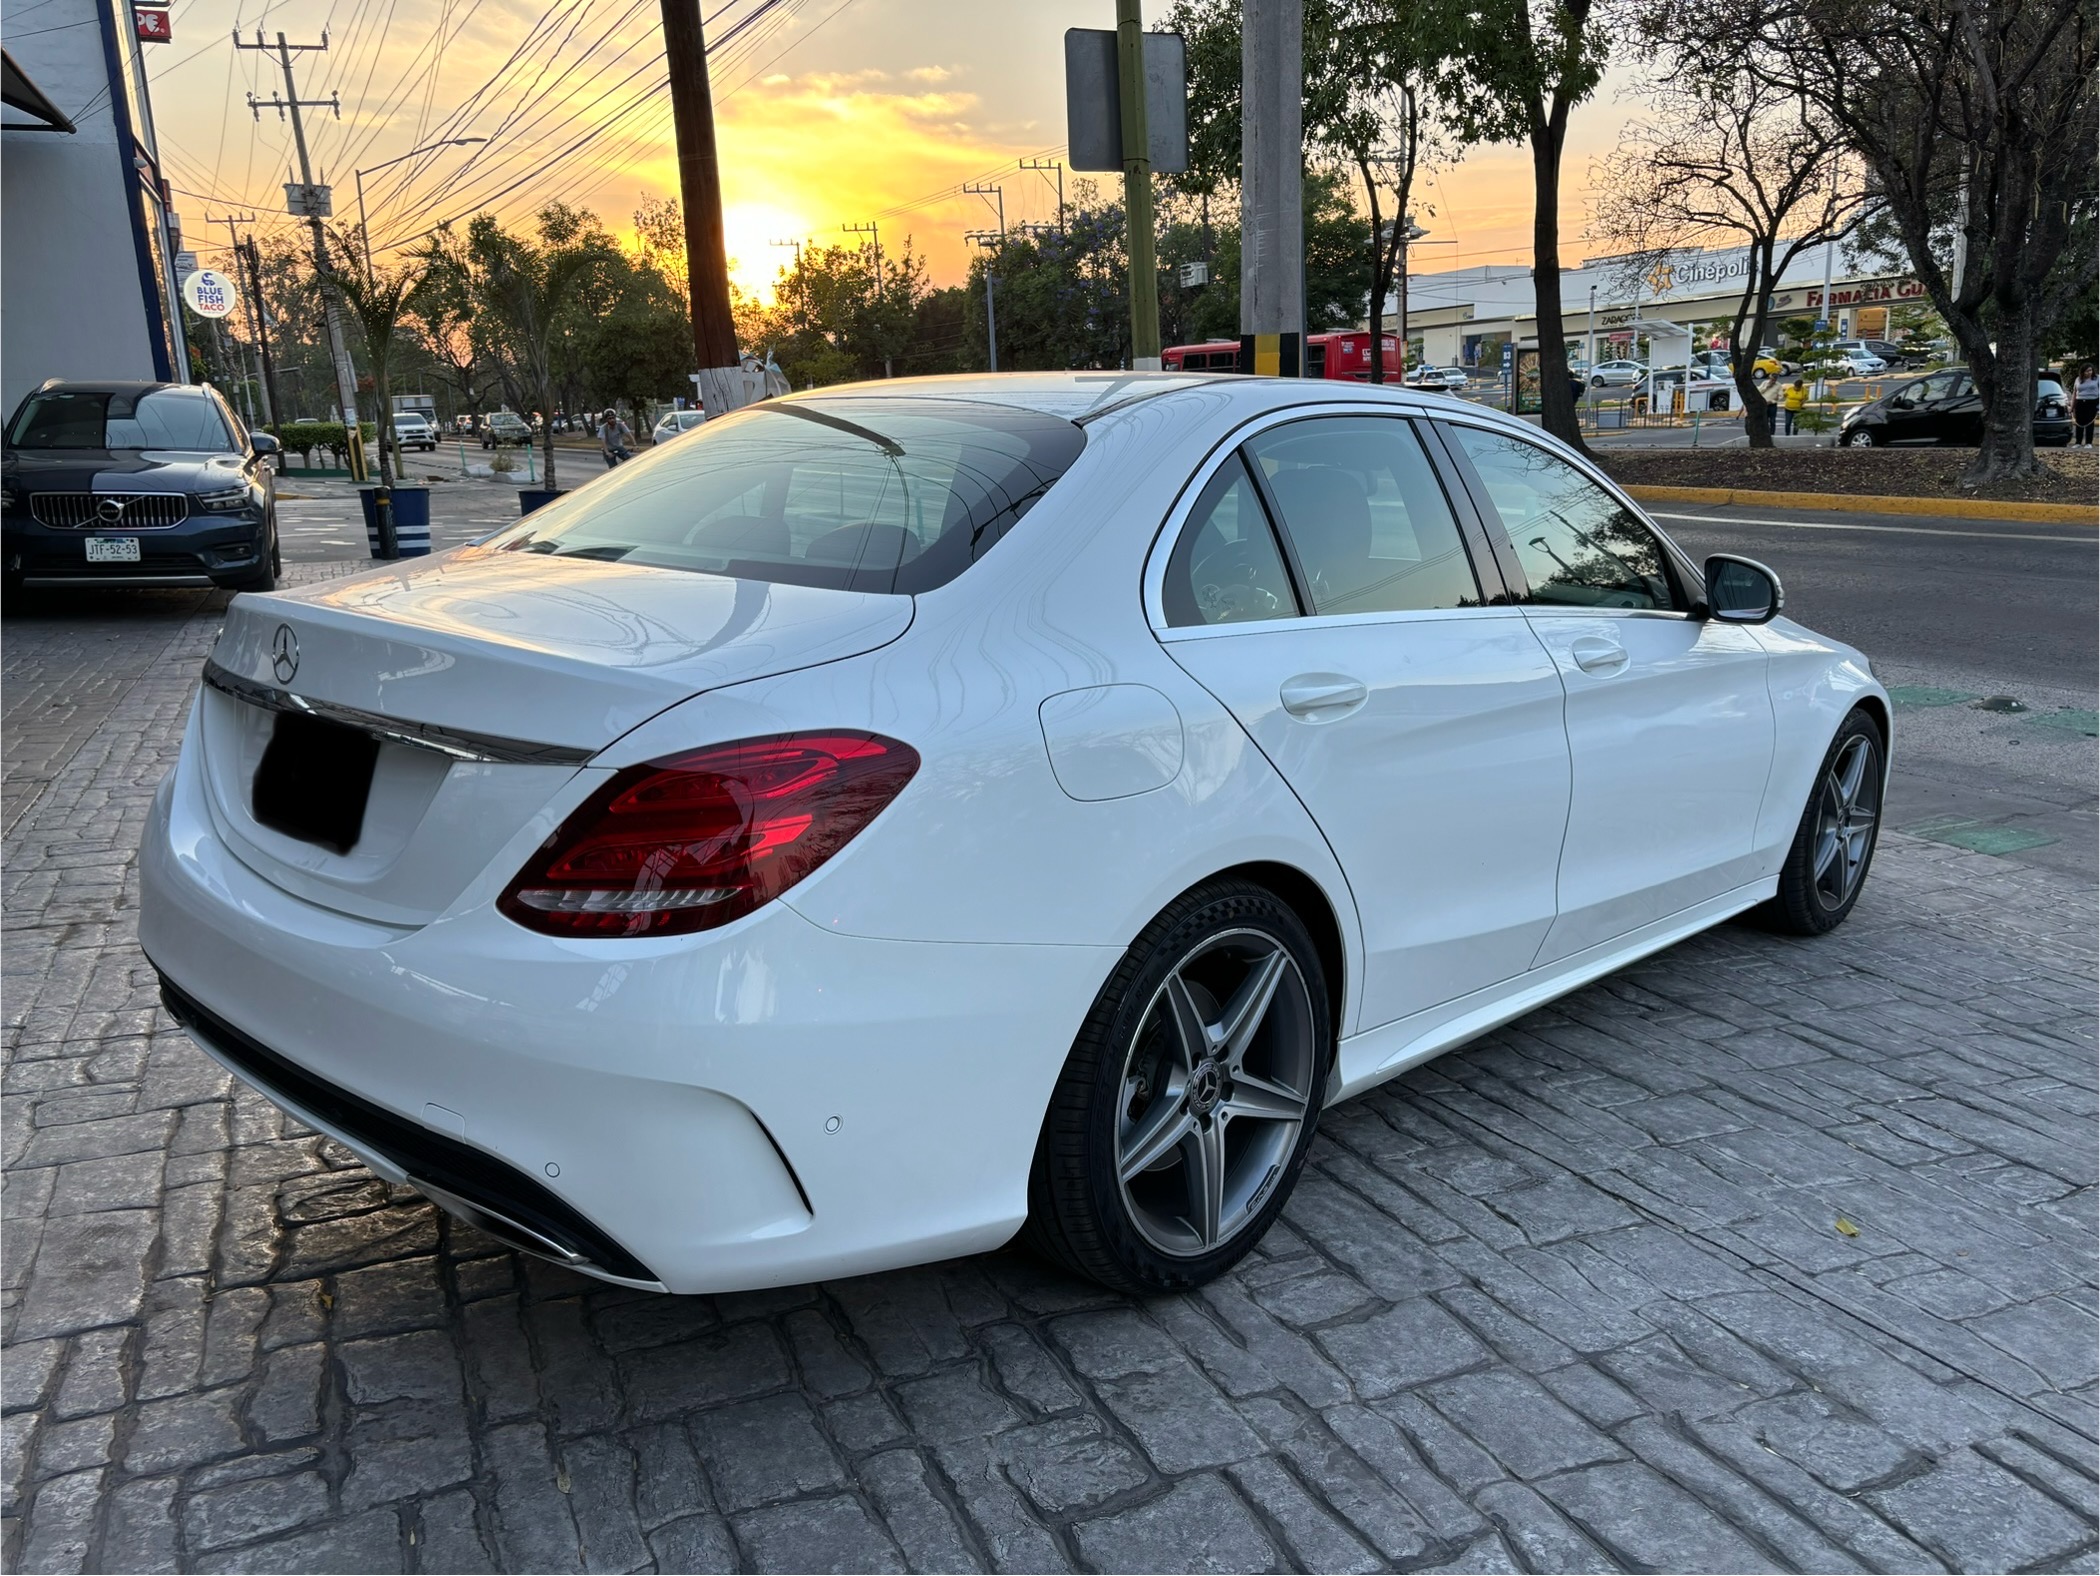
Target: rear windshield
878,494
83,419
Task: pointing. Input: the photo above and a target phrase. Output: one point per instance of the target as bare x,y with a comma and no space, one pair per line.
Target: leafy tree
377,300
521,287
1975,120
1514,73
1730,161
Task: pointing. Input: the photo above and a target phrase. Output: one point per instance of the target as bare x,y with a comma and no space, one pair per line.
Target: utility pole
1137,187
338,346
233,222
873,230
991,241
1042,167
721,382
1272,241
272,411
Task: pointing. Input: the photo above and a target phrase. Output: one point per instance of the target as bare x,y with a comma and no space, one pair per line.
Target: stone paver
1574,1298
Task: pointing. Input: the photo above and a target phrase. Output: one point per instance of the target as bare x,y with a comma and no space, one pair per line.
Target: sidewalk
1763,1254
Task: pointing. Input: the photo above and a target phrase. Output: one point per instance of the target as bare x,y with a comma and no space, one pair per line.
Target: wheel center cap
1206,1087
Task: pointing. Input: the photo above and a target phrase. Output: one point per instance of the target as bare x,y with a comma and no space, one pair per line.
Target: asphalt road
1959,617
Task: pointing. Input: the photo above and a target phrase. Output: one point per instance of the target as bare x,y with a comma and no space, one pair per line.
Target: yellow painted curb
1875,503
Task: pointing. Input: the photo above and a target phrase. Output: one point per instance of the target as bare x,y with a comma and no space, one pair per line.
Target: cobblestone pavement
1760,1255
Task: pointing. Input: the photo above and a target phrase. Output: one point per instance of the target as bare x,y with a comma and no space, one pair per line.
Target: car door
1669,719
1960,415
1419,724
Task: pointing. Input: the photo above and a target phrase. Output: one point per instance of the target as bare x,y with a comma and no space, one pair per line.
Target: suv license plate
112,549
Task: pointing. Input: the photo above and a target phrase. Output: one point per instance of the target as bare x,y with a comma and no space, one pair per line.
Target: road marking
1892,530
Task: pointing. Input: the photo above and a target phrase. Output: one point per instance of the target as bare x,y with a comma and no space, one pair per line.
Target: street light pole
364,230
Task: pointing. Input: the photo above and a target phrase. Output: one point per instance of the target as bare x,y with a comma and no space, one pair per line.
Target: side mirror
1741,590
1903,402
263,443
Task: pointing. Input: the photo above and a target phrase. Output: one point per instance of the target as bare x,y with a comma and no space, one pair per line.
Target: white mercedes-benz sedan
904,815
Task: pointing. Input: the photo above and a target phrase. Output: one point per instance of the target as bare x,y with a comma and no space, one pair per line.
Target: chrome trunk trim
458,743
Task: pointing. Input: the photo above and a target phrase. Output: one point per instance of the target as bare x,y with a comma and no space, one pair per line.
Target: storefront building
1660,302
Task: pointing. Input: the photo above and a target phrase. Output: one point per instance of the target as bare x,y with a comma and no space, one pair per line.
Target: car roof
1075,396
112,386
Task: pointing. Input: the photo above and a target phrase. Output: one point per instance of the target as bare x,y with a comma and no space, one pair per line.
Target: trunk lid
462,694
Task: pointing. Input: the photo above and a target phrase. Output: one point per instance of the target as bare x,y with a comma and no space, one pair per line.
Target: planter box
411,520
531,498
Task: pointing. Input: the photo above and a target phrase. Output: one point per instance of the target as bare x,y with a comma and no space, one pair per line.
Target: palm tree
524,287
377,299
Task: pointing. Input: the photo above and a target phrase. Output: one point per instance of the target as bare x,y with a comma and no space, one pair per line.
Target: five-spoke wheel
1189,1100
1834,843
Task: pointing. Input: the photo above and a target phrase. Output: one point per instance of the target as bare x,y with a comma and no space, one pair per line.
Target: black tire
264,576
1808,903
1081,1215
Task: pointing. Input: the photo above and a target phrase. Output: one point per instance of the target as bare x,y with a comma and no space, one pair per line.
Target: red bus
1336,355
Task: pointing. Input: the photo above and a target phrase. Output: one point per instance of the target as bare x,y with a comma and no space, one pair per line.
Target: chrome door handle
1322,695
1595,654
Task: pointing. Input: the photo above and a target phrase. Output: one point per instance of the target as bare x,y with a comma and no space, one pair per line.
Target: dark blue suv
136,484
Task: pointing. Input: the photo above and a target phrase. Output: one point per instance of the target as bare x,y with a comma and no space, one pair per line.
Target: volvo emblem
111,509
284,654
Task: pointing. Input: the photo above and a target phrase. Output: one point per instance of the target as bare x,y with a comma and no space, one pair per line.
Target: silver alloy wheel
1860,438
1847,806
1216,1085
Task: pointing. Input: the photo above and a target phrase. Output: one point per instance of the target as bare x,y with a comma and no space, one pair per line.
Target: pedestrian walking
615,437
2085,406
1792,403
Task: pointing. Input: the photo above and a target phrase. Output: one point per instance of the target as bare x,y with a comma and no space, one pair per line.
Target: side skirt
1366,1060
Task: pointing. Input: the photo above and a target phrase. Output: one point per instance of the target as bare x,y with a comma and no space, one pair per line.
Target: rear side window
1370,524
880,494
1226,567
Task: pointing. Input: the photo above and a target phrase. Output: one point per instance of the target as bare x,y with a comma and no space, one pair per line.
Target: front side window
1227,568
1578,545
881,494
1371,526
86,419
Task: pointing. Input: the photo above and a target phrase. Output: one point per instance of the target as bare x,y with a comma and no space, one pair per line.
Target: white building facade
87,233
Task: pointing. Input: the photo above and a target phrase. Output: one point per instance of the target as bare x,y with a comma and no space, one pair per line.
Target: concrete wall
70,302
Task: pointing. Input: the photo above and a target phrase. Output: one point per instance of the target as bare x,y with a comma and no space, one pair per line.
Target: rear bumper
767,1105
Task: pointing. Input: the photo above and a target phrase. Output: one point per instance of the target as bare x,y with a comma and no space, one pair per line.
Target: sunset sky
829,112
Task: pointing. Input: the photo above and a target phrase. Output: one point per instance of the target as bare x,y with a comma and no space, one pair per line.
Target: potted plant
397,518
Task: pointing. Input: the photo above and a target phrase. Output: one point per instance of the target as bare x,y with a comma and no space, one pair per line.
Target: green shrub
303,437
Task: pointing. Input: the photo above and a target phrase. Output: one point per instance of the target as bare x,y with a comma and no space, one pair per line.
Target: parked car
1944,407
1853,360
1894,354
504,427
686,981
1433,377
672,422
1617,374
136,484
412,430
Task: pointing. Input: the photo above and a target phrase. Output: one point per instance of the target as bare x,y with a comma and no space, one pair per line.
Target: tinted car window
887,495
1227,568
85,419
1363,510
1578,545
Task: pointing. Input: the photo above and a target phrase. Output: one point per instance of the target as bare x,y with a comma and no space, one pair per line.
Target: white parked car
413,430
672,422
1854,361
902,817
1426,377
1617,374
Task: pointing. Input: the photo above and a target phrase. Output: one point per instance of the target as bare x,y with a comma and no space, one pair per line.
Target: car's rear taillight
697,840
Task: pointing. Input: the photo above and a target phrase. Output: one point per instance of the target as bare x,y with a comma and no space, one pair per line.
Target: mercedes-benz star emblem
111,509
284,654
